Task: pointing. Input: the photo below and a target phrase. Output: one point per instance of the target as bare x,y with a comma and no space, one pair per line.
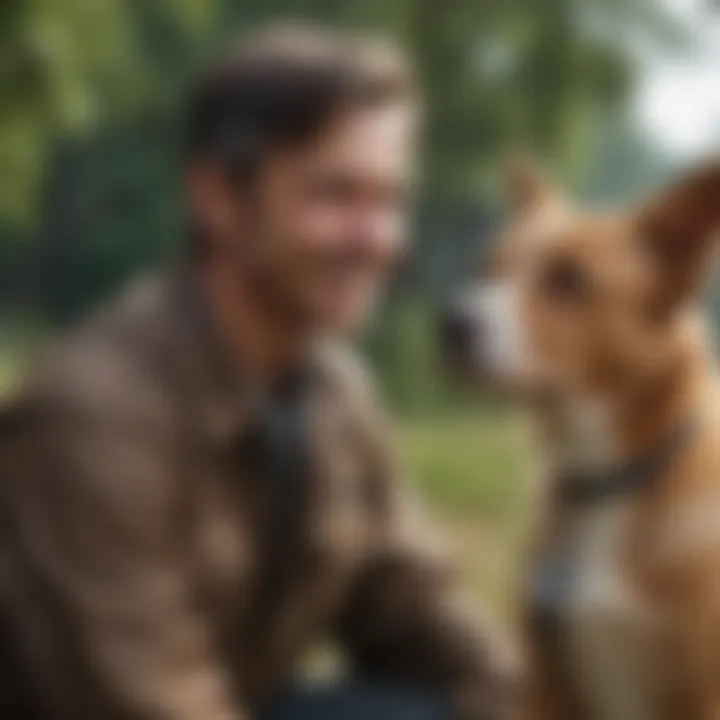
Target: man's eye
566,280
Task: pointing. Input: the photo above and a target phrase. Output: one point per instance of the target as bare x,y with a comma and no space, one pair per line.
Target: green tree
64,67
90,113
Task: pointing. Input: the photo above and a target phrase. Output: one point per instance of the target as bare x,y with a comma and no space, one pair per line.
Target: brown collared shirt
137,534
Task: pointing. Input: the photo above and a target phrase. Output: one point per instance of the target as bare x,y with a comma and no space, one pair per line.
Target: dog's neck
587,436
580,437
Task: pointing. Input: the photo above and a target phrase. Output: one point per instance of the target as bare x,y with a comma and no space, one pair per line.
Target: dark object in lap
355,701
16,695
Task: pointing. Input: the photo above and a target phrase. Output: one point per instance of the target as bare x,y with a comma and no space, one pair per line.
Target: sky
678,101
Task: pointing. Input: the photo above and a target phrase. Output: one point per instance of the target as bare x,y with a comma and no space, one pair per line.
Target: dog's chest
594,621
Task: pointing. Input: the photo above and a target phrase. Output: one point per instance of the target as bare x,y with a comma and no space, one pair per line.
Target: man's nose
380,232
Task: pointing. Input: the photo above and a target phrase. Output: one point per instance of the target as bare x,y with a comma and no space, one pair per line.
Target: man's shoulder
347,372
359,397
112,364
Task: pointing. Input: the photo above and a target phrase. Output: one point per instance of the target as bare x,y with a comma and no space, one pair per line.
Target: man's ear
213,205
678,228
681,223
526,184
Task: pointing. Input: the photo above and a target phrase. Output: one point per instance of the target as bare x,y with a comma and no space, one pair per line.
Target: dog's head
587,303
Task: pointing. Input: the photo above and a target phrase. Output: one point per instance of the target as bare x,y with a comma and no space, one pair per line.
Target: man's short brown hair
280,87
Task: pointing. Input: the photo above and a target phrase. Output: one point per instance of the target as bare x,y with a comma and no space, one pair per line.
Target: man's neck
257,340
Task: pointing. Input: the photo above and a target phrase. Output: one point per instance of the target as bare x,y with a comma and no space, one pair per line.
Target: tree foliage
496,73
90,94
66,68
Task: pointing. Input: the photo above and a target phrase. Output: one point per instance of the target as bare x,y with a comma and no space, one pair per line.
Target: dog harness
555,577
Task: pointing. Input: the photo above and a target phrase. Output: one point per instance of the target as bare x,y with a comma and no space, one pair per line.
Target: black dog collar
584,489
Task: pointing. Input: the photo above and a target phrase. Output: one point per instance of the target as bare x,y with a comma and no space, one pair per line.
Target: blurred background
616,95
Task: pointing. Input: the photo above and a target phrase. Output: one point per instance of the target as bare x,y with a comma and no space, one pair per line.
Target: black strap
584,489
281,458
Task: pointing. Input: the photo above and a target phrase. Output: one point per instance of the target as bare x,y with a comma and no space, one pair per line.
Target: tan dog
594,319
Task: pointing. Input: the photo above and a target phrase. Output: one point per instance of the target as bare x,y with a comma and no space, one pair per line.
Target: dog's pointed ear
678,228
681,223
526,184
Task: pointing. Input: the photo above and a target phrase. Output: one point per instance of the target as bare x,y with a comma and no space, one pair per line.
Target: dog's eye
566,280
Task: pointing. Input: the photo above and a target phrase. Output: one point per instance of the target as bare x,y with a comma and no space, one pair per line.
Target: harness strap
281,456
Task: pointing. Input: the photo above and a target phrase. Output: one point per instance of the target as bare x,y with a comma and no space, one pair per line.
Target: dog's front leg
687,593
695,654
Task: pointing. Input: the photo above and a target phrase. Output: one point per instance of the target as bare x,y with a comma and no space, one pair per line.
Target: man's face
325,223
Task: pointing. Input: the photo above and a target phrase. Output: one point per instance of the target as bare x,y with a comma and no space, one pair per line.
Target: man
196,485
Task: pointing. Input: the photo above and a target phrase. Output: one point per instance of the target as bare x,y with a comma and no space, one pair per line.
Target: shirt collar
220,395
225,398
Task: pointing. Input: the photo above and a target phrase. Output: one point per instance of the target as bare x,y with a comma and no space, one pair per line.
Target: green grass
468,466
19,343
8,371
471,470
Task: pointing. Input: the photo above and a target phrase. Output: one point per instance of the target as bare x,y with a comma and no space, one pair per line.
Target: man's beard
267,281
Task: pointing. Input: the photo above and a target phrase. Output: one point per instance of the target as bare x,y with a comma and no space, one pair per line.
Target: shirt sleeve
107,621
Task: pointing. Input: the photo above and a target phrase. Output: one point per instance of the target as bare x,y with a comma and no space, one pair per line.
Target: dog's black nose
457,333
